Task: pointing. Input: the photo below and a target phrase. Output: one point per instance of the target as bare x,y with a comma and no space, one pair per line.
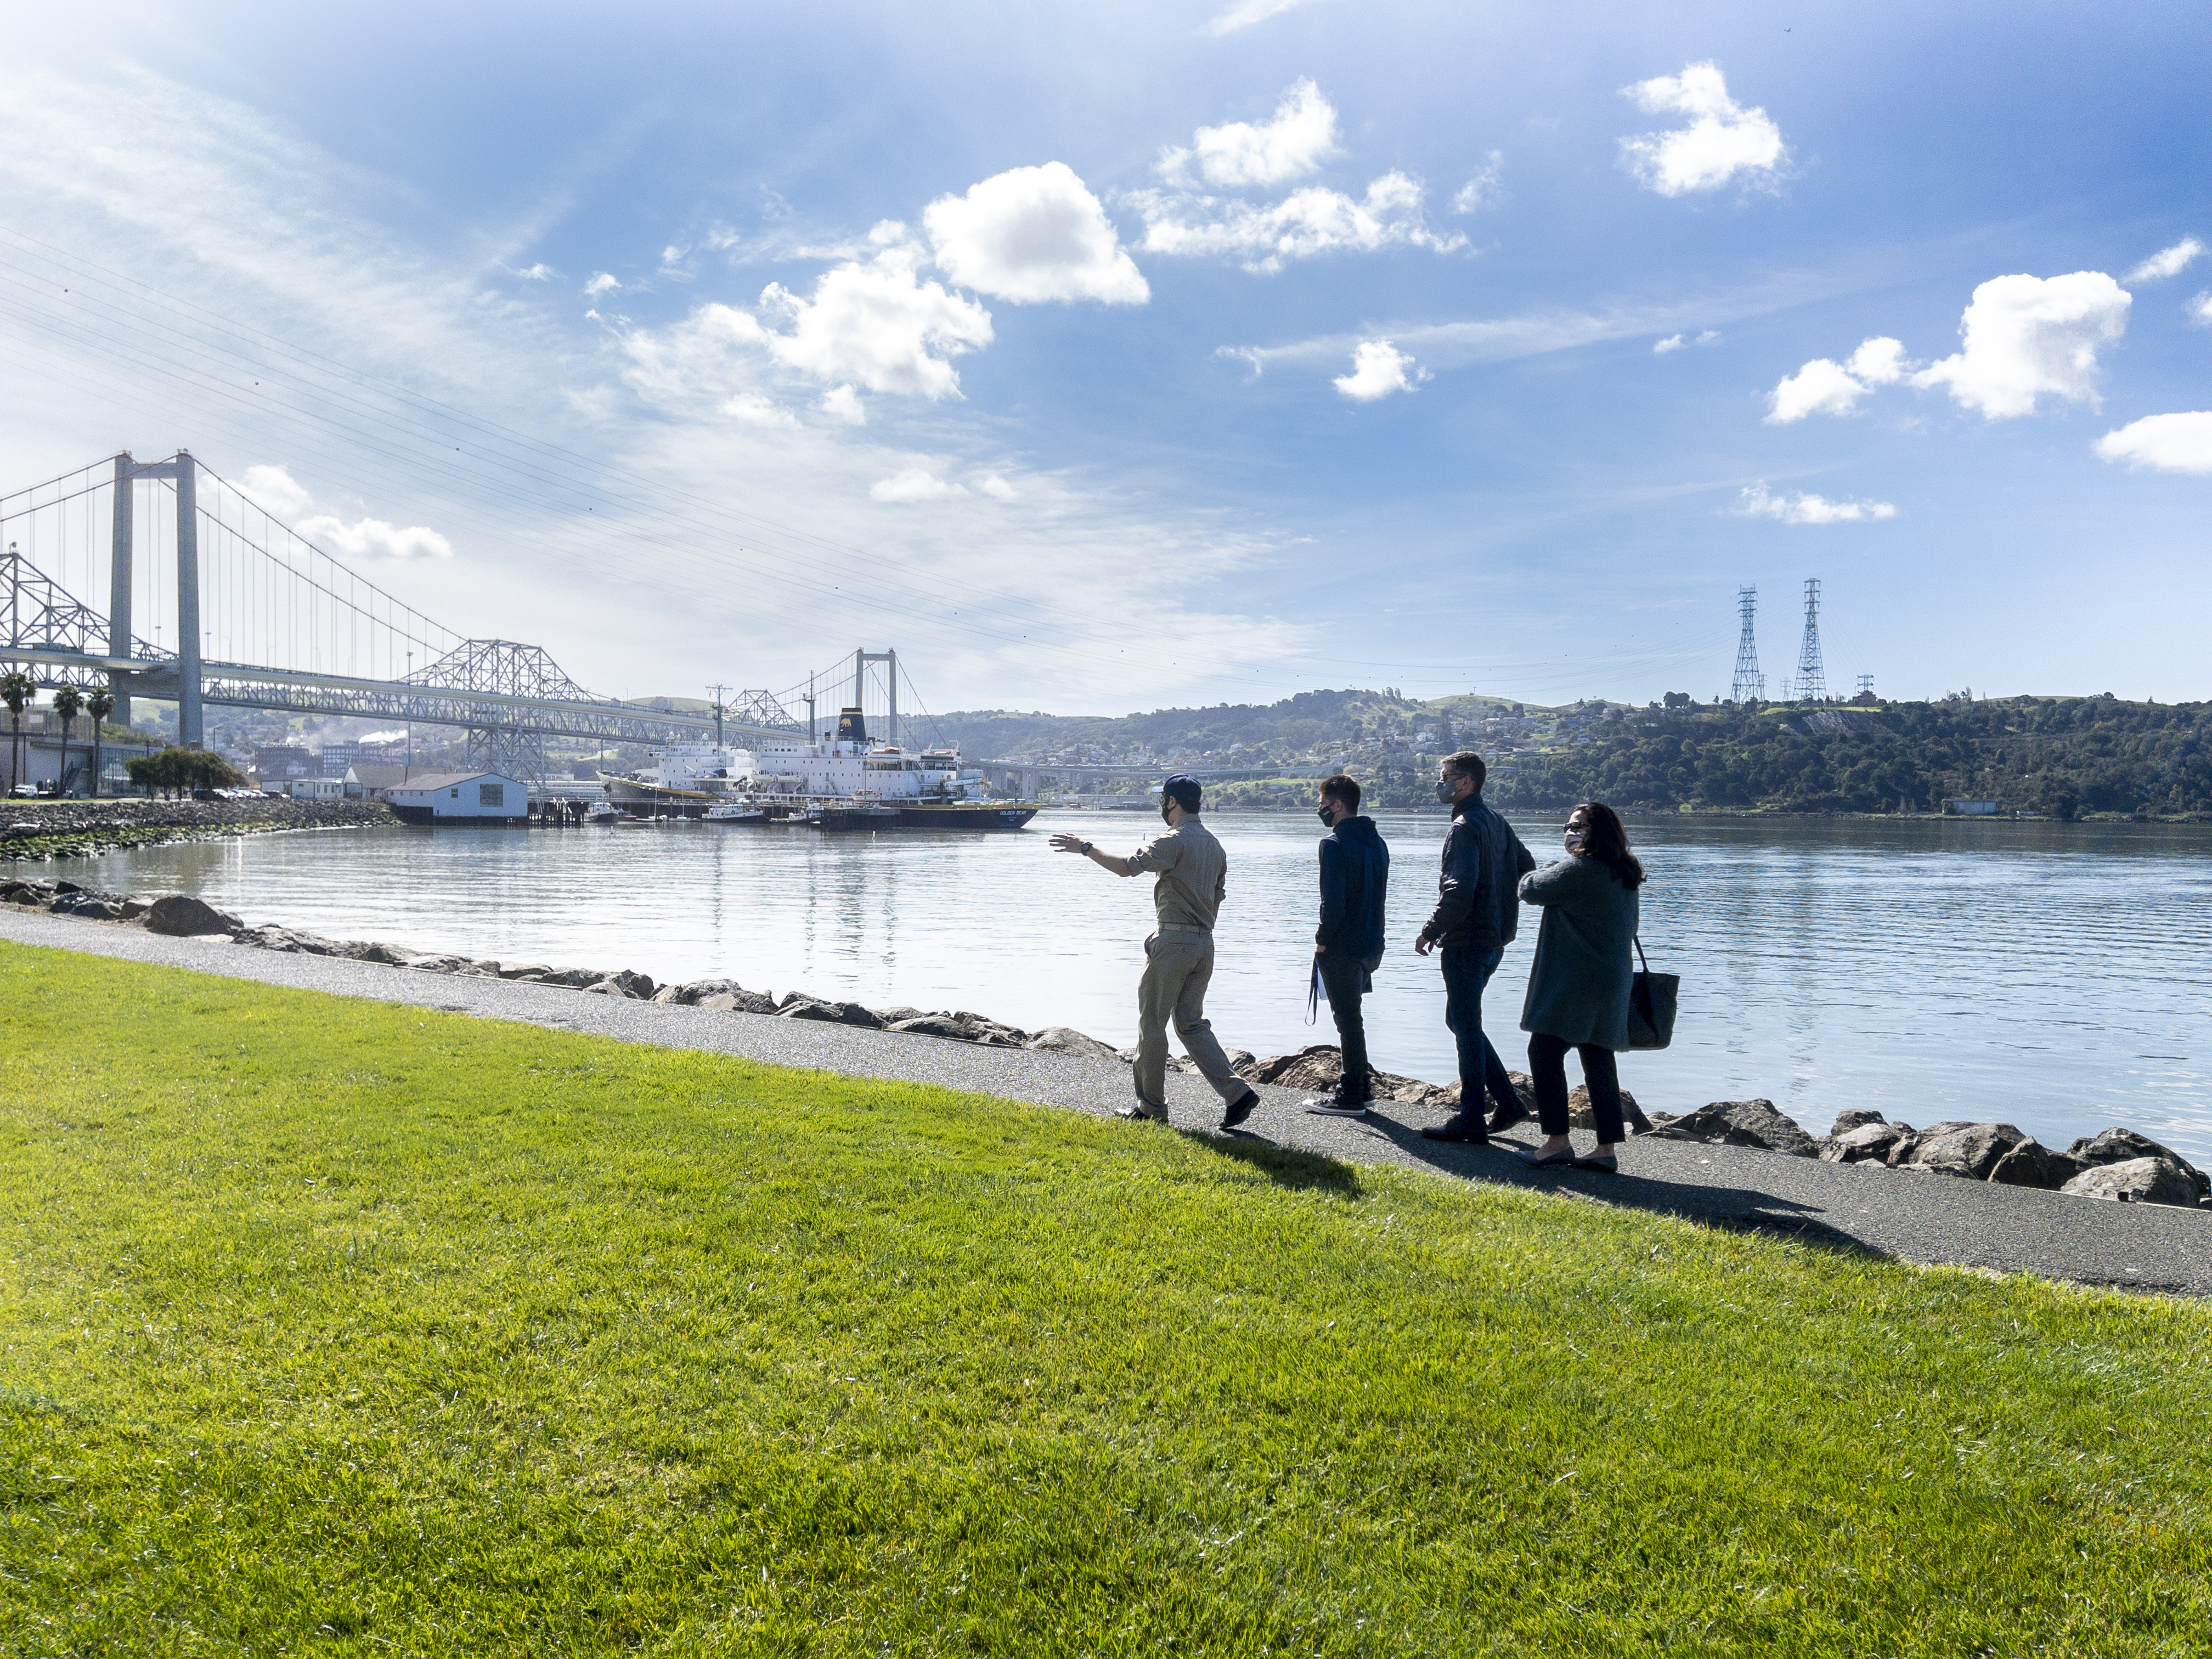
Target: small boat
731,813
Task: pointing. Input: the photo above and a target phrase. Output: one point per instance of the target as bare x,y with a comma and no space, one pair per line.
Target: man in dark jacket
1355,876
1477,912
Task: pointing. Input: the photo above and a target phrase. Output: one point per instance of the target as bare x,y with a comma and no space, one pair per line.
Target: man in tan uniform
1193,872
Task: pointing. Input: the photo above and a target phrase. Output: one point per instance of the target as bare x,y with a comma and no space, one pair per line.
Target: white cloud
275,488
754,409
997,487
1482,190
2200,308
373,538
601,283
286,500
1379,368
1674,343
1033,235
1246,13
876,325
1805,508
2166,443
1878,361
1722,140
1307,223
842,403
1824,387
2167,262
1302,135
914,484
2026,335
538,273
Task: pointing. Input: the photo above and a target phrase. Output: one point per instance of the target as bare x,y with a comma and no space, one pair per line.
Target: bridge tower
861,661
184,471
1812,678
1750,684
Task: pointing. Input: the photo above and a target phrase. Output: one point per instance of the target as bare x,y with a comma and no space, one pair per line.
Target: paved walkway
1915,1218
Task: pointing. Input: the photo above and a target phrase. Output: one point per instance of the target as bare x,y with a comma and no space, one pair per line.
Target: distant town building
373,779
1961,807
274,761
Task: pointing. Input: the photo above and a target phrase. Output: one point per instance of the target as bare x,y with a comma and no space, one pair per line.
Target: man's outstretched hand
1064,842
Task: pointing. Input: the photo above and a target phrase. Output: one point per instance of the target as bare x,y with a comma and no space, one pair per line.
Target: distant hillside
1292,730
2063,756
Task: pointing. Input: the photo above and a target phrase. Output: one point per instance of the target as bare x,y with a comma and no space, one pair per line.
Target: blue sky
1102,358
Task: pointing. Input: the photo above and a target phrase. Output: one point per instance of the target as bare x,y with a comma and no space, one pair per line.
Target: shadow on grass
1286,1166
1732,1209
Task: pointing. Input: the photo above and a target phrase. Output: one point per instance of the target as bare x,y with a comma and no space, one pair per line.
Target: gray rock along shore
33,830
2117,1165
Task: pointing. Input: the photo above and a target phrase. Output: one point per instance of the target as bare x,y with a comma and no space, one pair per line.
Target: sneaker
1460,1127
1240,1108
1333,1106
1141,1113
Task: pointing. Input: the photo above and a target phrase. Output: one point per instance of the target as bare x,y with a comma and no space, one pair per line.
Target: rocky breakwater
83,828
2117,1164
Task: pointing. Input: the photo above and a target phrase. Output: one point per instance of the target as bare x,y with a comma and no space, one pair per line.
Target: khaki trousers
1178,966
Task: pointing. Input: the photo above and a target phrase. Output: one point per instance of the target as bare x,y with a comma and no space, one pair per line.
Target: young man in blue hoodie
1355,877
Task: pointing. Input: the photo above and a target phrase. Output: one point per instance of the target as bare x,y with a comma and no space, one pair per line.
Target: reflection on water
2048,975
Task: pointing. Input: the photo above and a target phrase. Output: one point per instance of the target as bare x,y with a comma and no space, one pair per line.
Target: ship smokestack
852,725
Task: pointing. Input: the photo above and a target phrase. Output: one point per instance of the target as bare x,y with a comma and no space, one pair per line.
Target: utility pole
1812,678
1750,684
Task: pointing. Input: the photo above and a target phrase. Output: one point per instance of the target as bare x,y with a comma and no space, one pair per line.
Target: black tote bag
1651,1005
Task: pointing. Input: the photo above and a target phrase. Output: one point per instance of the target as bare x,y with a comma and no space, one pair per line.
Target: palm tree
100,705
69,704
16,690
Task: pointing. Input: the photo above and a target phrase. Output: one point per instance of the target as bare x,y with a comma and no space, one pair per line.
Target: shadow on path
1735,1209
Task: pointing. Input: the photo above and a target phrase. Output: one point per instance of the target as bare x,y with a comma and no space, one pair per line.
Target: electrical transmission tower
1750,684
1812,678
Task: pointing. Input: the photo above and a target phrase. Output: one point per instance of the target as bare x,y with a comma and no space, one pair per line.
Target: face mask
1574,841
1166,808
1447,790
1325,814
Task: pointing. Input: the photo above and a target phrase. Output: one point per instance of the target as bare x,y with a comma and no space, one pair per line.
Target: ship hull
965,815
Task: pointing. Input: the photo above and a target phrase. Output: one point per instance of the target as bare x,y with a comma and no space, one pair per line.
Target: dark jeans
1344,980
1547,1068
1465,973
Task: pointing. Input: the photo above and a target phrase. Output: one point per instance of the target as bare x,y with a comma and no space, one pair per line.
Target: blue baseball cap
1183,791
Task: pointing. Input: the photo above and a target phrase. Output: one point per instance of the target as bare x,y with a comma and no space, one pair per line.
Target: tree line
2061,757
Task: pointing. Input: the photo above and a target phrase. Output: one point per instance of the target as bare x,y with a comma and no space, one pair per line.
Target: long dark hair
1605,838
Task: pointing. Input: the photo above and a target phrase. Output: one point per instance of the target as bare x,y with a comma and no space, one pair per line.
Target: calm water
2053,975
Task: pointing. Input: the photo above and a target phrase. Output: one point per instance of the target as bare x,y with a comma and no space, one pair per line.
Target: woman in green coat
1578,984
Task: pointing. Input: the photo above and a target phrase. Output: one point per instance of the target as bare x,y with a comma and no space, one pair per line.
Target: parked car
24,792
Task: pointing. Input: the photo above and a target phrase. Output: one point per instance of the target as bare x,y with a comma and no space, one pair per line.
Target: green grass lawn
333,1326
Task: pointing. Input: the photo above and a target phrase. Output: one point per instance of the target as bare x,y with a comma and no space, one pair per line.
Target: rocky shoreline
31,830
2117,1165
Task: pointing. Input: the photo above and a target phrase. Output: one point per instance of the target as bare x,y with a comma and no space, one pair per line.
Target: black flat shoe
1607,1165
1503,1119
1551,1160
1240,1108
1468,1132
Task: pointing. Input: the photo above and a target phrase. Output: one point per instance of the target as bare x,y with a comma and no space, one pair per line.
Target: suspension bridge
246,612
